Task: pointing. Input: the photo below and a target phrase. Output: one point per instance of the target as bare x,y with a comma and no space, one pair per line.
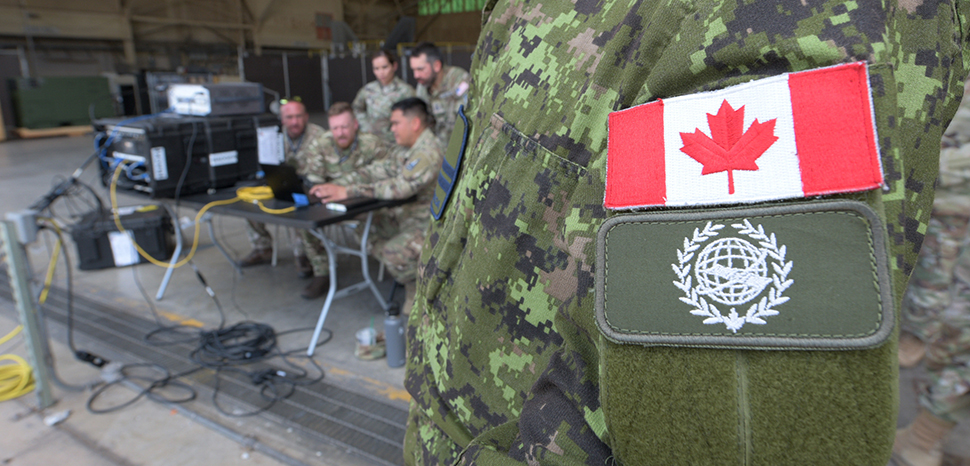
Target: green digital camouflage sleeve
402,176
506,361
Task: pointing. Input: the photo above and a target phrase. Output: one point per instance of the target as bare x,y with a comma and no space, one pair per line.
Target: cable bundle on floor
16,379
243,343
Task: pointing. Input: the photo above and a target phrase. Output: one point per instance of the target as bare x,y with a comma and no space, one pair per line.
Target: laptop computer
287,185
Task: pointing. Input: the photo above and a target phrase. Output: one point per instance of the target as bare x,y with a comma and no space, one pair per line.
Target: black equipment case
100,245
208,152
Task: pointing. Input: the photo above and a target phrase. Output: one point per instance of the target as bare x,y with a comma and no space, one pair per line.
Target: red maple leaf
729,147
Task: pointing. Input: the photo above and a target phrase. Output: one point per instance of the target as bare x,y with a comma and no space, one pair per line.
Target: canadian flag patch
789,136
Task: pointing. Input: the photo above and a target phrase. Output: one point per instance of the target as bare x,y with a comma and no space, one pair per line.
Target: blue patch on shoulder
452,162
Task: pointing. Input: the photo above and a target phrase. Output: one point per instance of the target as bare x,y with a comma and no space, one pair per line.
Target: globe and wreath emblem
732,271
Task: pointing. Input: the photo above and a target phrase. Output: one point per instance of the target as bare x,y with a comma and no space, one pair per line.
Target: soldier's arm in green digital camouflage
494,382
561,424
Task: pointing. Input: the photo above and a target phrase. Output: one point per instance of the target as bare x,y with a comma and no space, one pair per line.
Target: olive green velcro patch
796,276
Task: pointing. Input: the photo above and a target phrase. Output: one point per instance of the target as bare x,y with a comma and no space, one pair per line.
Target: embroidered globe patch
801,275
732,272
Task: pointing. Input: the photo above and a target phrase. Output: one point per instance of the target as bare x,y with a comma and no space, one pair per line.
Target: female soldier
372,106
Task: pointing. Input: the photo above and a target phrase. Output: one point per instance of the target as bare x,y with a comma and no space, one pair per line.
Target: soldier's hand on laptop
329,192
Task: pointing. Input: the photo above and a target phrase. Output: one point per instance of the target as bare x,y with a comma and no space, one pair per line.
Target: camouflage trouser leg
399,249
410,290
316,253
259,236
933,284
941,290
947,392
298,249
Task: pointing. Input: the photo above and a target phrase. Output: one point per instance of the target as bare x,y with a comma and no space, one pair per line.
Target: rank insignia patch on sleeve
451,164
789,136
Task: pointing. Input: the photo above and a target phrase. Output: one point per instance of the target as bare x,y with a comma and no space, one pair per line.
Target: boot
303,267
921,443
317,288
911,350
257,257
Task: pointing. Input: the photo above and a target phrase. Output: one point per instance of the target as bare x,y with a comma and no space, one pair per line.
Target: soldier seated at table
324,157
412,169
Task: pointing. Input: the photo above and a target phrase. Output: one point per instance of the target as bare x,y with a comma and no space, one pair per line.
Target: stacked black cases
176,155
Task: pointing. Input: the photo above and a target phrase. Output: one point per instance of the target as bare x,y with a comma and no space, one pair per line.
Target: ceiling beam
188,22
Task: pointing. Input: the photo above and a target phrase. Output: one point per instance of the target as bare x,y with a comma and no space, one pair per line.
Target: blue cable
112,163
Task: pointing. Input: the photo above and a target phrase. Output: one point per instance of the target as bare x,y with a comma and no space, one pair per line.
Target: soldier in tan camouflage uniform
319,156
300,137
372,106
398,234
339,152
936,312
443,87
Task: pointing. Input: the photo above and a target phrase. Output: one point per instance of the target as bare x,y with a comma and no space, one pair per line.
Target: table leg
207,218
364,267
332,251
175,256
332,264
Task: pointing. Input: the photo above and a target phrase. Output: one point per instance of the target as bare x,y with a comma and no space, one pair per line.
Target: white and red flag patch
795,135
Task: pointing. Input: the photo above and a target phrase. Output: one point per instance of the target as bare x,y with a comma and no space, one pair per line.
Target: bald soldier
300,139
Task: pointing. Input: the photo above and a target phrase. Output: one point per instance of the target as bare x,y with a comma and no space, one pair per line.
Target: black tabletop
313,216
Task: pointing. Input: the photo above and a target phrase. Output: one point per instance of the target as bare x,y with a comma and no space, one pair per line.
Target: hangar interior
158,405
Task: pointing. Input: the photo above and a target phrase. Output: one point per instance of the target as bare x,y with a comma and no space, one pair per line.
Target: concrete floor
149,433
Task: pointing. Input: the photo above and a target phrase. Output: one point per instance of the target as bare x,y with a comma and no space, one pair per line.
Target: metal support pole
240,54
286,77
325,71
175,254
39,352
24,64
403,60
